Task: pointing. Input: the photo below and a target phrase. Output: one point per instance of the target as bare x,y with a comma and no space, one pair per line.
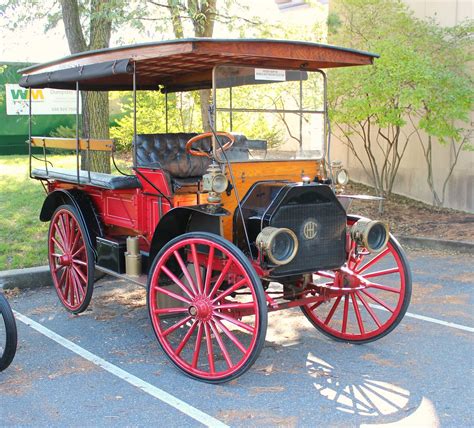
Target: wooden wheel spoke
169,311
234,321
57,268
176,326
377,300
67,286
70,230
197,346
79,287
81,248
375,260
345,315
231,336
185,270
333,309
210,350
357,313
221,277
173,277
186,338
382,287
369,310
171,294
382,272
222,346
58,244
72,287
77,239
230,290
210,262
197,268
63,277
315,305
79,262
62,227
236,305
79,272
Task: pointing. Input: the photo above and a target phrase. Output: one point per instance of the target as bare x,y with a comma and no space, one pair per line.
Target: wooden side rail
71,143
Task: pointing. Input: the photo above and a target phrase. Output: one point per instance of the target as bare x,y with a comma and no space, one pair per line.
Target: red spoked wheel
207,307
366,299
70,259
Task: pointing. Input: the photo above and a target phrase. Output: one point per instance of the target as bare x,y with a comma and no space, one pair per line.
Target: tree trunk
95,105
206,29
95,124
202,14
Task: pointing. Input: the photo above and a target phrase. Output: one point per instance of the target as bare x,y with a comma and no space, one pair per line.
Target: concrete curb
437,244
40,277
26,278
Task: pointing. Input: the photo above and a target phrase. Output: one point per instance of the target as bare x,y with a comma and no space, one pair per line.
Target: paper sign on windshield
269,74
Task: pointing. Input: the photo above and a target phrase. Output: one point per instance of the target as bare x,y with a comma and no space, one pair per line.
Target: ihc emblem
310,229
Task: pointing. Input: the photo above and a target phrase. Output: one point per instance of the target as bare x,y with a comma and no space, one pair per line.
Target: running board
139,280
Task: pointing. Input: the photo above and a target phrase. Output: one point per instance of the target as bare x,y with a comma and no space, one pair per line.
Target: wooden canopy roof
183,64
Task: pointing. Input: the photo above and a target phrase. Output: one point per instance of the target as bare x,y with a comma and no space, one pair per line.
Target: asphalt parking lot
105,368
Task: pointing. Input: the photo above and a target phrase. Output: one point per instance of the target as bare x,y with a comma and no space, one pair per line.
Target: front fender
203,218
84,206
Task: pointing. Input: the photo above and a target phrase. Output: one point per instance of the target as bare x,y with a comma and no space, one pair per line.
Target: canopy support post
301,111
134,114
327,130
77,132
230,107
29,131
166,110
44,157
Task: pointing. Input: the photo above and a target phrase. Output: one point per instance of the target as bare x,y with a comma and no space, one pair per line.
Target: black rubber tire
90,259
8,320
259,293
406,299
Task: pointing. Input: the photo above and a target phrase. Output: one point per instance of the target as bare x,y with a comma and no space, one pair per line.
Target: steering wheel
199,152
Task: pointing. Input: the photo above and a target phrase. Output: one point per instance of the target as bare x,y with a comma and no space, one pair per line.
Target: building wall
411,178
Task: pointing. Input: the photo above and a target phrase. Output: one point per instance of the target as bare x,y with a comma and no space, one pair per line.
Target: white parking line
432,320
158,393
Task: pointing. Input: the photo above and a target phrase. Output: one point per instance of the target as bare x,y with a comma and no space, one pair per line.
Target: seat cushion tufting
168,152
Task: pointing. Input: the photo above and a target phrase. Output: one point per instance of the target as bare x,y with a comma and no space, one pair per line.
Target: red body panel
131,211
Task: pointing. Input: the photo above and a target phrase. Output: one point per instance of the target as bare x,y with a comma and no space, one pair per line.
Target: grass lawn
22,234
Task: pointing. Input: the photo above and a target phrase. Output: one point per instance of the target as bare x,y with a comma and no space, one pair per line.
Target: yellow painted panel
247,173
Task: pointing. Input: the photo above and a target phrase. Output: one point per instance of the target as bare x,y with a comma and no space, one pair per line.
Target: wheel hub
201,308
347,279
65,260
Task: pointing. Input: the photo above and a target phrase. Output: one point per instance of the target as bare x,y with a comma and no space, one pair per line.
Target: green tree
372,105
197,18
88,25
1,93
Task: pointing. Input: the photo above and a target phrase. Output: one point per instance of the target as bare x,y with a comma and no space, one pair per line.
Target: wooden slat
70,143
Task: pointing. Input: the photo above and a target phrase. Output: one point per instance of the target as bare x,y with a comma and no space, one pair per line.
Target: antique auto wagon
227,216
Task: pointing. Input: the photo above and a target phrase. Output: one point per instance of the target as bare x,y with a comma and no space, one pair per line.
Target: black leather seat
168,152
98,179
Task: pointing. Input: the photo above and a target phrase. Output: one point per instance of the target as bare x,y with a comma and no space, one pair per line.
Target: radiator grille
327,249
